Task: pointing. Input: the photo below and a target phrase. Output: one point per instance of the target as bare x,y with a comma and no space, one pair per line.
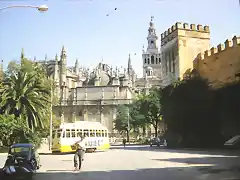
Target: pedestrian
124,142
80,151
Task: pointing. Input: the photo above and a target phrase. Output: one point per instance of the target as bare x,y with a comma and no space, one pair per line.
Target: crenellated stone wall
220,64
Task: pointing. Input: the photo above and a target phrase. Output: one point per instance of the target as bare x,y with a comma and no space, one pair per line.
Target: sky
89,35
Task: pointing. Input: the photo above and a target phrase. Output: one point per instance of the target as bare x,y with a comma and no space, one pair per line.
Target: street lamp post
51,121
41,8
128,123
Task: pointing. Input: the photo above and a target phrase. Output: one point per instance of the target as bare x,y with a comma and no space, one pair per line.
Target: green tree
188,109
14,130
151,108
128,118
138,119
26,93
122,119
12,68
227,103
7,126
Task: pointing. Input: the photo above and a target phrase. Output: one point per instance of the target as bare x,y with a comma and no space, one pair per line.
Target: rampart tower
180,45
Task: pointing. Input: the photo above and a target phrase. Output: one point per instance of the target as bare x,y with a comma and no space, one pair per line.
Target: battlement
234,42
185,26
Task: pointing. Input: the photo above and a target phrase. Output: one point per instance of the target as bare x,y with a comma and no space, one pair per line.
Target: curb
45,153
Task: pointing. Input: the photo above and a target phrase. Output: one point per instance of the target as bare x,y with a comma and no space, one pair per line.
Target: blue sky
88,34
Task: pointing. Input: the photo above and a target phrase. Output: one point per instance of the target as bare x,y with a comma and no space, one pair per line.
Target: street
141,162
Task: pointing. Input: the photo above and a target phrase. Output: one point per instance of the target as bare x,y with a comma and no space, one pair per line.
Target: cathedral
87,94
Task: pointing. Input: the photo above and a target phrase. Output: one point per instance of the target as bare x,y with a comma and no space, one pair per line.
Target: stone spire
63,54
63,59
97,77
63,66
125,80
116,78
56,73
76,66
129,69
56,59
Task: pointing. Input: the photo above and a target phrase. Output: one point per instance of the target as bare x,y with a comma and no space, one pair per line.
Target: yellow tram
65,137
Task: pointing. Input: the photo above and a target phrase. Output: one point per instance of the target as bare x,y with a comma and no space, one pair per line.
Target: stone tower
130,68
180,45
63,81
152,56
63,67
131,73
76,67
56,76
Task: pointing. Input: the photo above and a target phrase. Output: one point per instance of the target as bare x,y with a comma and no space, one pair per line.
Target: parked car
158,141
22,162
163,142
155,141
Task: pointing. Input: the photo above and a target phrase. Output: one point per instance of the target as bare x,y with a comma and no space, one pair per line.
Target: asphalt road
142,163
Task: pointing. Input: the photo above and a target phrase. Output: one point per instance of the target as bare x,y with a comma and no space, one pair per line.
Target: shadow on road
176,173
217,164
187,150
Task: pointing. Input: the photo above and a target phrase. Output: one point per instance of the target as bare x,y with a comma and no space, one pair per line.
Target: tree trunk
156,131
127,135
156,128
144,131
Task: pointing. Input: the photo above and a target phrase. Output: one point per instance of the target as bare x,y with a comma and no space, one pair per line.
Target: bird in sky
111,12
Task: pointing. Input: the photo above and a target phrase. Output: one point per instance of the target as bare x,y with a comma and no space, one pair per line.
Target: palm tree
25,96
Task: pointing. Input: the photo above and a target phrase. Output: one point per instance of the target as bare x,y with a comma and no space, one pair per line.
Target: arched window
159,60
145,61
152,59
148,61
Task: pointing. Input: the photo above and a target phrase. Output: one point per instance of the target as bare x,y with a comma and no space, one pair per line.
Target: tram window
63,134
59,133
79,134
68,133
103,133
98,134
86,132
54,134
73,133
92,134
